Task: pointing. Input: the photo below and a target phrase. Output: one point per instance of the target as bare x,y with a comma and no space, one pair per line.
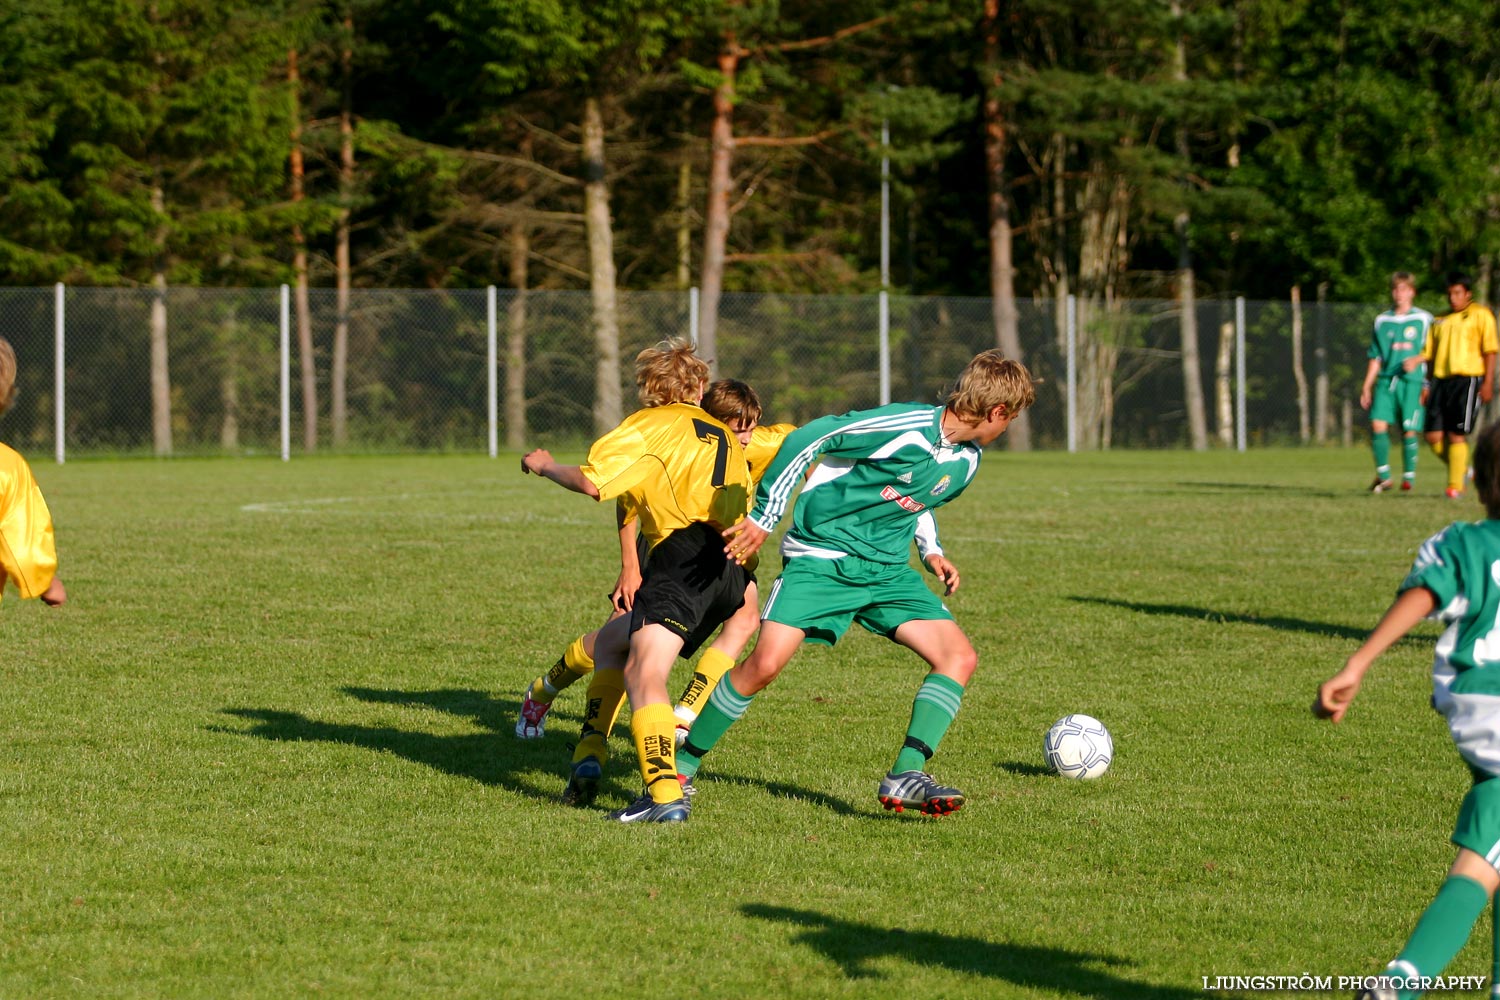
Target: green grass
266,749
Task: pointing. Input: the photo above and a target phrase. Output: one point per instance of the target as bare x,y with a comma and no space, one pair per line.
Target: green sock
1409,456
932,712
1442,930
724,708
1380,444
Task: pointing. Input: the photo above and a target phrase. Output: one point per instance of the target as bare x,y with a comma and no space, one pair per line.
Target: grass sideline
266,749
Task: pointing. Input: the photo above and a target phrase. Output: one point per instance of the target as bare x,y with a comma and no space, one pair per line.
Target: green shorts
1398,401
1478,826
822,596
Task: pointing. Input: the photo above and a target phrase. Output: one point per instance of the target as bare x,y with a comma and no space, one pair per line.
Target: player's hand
1336,693
622,598
1422,399
1364,399
535,461
55,594
944,571
1412,363
744,539
1486,391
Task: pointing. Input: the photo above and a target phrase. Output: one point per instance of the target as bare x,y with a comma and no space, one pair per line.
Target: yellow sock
653,727
574,665
712,666
1439,448
1458,464
605,698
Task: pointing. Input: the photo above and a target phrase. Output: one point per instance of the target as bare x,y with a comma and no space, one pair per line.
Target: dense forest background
451,143
1029,153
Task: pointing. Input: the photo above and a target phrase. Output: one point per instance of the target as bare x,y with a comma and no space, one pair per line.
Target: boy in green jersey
848,550
1455,579
1393,391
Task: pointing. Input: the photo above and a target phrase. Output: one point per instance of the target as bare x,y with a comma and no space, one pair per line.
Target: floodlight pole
1239,372
885,262
491,364
1072,338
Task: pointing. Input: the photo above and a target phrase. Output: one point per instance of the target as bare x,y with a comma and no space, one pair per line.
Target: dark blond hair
1404,278
7,375
1487,469
732,402
988,381
670,372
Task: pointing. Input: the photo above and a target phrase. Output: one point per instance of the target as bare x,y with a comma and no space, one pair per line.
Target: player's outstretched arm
1336,693
744,539
541,463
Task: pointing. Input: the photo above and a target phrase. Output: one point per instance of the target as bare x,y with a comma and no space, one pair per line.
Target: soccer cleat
688,788
1406,485
917,790
1380,485
583,783
680,737
647,810
1377,993
532,722
1453,494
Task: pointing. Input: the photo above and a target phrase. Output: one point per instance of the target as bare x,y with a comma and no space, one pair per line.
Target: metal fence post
286,373
1072,373
491,367
693,315
885,348
1239,372
59,343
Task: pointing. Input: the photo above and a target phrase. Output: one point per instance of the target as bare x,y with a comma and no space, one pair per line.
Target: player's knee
961,664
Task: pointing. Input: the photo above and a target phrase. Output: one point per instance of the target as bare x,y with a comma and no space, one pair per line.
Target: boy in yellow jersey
688,480
1461,362
735,404
28,551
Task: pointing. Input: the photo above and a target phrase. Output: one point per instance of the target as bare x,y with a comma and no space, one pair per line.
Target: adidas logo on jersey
905,477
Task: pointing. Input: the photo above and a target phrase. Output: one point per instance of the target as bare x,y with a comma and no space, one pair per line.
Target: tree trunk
1299,371
684,225
1001,236
1224,384
716,216
299,268
339,377
1321,413
607,402
1187,286
515,313
161,383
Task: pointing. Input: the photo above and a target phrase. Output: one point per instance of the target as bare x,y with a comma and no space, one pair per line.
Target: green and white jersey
1461,566
881,470
1397,337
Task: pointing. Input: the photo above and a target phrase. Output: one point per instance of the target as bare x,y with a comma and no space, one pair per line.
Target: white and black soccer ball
1078,746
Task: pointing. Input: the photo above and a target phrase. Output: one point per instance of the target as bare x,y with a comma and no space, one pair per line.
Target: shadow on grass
782,790
1274,489
1024,770
853,945
1278,622
491,758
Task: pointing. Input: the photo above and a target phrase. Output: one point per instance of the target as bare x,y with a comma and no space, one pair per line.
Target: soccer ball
1078,746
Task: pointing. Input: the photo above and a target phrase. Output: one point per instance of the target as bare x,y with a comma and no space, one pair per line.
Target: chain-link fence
410,369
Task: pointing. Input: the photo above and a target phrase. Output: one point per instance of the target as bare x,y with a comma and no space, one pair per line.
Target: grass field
266,749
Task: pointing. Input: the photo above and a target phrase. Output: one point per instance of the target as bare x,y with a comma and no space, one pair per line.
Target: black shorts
1453,404
689,586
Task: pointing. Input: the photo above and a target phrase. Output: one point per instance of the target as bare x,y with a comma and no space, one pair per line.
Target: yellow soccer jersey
1460,340
765,441
679,466
28,552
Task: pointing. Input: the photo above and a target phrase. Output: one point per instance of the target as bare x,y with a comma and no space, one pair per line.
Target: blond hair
1404,278
7,375
670,372
988,381
732,402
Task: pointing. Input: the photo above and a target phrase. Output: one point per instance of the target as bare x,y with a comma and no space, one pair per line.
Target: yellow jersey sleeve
765,442
28,551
